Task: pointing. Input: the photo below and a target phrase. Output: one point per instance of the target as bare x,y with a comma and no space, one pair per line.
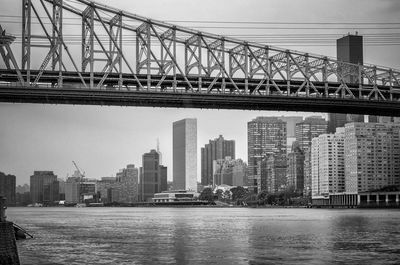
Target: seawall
8,245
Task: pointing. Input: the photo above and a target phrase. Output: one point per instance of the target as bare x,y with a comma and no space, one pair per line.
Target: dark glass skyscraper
153,177
349,49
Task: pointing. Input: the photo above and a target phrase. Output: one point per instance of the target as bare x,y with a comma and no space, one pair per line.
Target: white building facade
185,154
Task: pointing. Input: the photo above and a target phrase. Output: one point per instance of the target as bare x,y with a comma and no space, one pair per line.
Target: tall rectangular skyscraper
349,49
185,154
154,176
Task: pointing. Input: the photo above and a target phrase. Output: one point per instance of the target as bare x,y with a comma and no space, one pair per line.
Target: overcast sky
104,139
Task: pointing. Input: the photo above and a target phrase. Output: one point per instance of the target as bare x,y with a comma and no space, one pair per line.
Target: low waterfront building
175,196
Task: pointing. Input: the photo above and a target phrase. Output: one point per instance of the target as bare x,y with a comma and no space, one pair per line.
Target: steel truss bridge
125,59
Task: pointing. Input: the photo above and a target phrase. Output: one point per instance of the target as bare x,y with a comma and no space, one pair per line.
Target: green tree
239,193
207,195
227,195
219,193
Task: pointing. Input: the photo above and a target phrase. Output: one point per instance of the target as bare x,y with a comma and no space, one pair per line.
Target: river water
208,236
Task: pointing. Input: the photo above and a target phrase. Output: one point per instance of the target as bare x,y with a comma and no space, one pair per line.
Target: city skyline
104,139
83,133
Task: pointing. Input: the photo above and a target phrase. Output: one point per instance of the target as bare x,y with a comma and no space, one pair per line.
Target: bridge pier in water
8,245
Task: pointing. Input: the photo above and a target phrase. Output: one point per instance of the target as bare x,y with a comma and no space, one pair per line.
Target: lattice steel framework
170,58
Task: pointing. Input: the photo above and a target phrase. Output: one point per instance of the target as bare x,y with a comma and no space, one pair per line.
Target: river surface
208,236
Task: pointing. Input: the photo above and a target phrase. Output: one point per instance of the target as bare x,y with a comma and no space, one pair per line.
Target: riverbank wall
8,245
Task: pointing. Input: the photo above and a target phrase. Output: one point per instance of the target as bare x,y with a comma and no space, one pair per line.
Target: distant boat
79,205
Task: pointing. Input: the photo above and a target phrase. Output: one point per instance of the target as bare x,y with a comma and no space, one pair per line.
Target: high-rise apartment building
185,154
216,149
266,136
229,171
44,187
7,188
310,128
127,184
327,155
153,177
372,152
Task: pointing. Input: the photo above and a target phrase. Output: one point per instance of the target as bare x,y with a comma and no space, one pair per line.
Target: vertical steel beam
307,74
148,45
57,39
26,38
288,74
143,51
117,22
325,77
88,42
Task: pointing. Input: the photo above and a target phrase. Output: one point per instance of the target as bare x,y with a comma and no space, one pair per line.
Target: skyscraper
265,136
7,188
349,49
310,128
185,154
328,163
153,177
44,187
127,184
216,149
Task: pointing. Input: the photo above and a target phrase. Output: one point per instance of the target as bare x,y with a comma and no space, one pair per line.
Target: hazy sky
104,139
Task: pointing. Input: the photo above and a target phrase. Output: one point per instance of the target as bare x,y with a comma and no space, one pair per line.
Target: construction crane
79,171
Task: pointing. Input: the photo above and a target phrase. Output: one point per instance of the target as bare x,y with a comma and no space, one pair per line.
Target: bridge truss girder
173,58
